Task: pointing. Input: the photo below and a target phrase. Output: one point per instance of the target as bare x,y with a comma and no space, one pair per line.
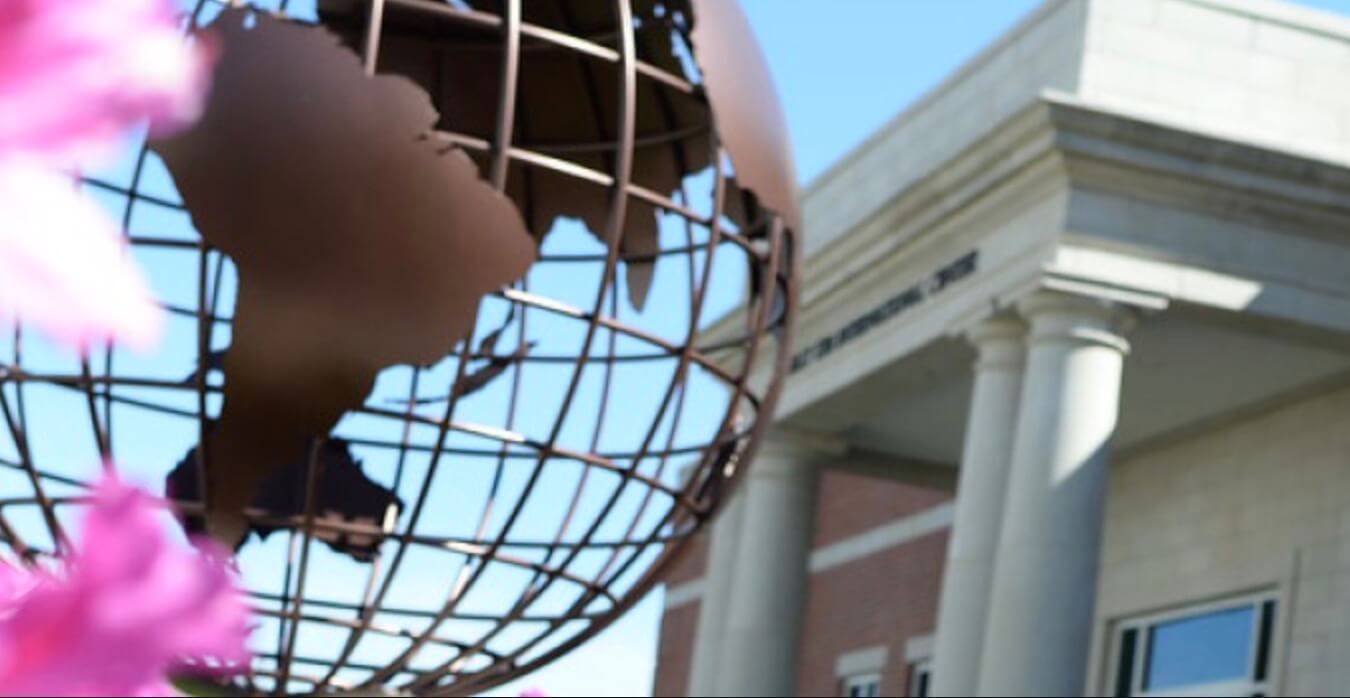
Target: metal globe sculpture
477,309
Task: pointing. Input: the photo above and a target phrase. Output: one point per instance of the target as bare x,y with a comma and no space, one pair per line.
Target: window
1219,649
859,671
920,678
863,686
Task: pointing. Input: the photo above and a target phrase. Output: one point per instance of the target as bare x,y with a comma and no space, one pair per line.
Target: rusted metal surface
373,200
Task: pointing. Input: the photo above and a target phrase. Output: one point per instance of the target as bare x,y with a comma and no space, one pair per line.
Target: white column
712,612
980,492
1044,587
768,593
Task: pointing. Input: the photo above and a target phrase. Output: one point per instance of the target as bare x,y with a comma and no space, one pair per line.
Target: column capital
1055,316
1000,341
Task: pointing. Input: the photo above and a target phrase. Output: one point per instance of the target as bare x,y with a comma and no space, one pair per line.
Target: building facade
1070,413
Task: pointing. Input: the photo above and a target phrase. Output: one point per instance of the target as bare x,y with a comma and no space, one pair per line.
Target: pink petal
15,583
10,584
133,606
64,267
76,74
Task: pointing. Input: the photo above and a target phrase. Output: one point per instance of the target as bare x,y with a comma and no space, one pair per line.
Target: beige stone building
1097,284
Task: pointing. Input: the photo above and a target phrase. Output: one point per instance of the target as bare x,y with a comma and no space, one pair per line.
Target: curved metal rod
696,305
532,449
644,584
690,503
623,168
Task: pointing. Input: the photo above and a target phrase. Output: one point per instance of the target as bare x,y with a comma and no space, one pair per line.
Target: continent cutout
567,107
351,510
360,242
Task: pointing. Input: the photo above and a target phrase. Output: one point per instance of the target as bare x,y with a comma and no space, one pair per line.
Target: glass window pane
1204,649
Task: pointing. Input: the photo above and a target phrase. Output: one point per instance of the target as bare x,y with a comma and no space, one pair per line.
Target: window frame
917,670
871,678
1263,630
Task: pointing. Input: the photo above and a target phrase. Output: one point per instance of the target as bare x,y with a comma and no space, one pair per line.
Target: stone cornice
1089,146
904,220
1040,157
1117,150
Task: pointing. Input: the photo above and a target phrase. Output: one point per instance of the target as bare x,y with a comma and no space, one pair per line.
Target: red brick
675,651
884,599
851,504
690,564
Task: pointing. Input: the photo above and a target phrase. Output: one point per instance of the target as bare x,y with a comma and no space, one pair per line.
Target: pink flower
533,693
75,77
128,607
64,265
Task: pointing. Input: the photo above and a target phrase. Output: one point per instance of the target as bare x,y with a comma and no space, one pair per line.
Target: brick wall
675,651
850,504
690,565
883,599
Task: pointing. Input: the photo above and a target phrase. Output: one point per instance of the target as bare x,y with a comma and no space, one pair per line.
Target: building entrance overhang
1232,256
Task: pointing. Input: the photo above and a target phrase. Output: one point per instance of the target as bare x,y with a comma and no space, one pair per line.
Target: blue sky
843,68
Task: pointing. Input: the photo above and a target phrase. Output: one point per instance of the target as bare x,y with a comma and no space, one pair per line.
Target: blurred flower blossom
63,265
533,693
128,606
75,77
